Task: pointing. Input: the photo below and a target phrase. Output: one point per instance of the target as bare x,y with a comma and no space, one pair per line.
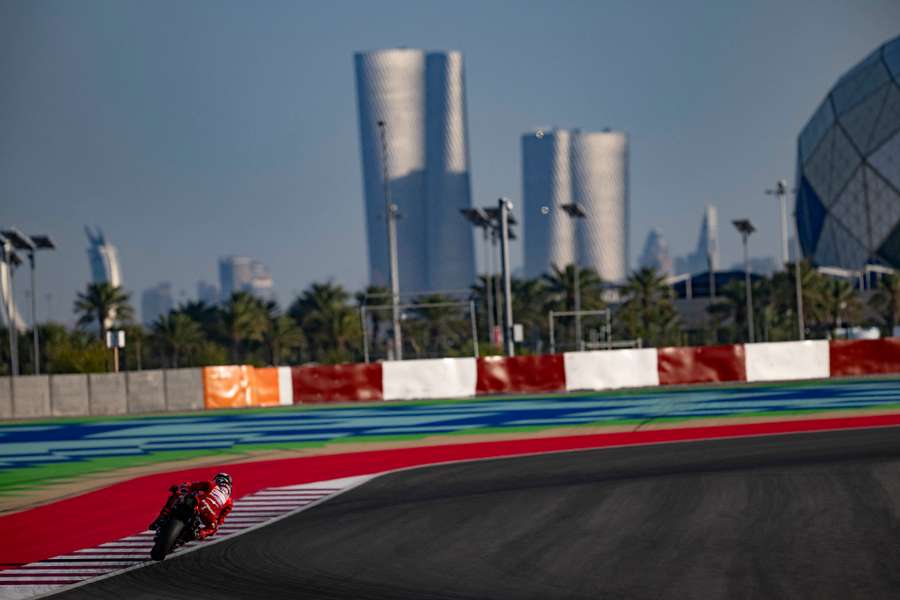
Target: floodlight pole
391,217
505,206
781,191
495,280
34,323
744,236
580,345
8,305
489,280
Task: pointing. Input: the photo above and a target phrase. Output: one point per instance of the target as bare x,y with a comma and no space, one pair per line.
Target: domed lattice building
848,168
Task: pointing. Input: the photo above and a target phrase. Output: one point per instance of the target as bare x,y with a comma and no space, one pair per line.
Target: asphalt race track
802,516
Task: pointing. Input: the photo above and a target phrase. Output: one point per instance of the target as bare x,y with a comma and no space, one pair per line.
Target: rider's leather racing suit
214,503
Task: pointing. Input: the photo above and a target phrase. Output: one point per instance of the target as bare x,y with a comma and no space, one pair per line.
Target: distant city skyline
244,274
234,129
656,253
156,302
706,253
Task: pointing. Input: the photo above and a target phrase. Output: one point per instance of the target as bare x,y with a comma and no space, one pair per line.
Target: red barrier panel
704,364
864,357
521,374
337,383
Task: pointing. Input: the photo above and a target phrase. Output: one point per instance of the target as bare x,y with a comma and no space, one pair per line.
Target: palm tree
103,303
329,323
561,285
648,312
886,301
282,335
560,290
375,295
842,304
442,331
244,320
531,299
177,334
205,315
784,299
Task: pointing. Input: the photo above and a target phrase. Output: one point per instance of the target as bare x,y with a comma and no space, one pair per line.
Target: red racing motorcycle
179,527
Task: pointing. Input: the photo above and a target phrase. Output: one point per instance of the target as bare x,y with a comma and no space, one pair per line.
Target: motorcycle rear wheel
166,539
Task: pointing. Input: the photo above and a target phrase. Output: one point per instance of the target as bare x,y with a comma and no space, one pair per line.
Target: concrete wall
146,391
79,395
107,393
5,398
31,396
184,389
69,395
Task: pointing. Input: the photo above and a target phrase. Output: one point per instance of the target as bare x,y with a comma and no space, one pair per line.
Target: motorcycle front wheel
166,538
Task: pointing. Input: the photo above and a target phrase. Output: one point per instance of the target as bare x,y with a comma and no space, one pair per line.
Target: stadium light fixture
31,244
11,260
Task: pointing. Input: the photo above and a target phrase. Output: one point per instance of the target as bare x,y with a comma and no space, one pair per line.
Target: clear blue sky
189,130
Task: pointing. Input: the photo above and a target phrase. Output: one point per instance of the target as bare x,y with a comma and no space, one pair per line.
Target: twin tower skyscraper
420,98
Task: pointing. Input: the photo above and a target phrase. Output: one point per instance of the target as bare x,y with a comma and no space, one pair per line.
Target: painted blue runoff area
23,445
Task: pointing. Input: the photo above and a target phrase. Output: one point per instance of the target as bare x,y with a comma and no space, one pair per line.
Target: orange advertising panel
266,387
238,386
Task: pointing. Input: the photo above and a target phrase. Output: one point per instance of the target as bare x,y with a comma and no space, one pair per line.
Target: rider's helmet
222,479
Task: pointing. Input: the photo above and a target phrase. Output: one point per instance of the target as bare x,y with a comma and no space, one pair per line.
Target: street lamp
746,228
478,218
391,216
504,206
31,244
575,211
10,261
781,191
493,214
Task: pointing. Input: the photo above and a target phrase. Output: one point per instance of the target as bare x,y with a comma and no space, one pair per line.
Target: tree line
324,323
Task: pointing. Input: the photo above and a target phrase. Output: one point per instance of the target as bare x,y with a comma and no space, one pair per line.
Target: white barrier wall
429,378
285,386
780,361
611,369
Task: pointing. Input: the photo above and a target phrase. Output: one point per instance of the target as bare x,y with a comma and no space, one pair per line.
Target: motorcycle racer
214,501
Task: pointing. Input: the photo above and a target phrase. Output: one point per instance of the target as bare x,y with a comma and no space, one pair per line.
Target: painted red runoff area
521,374
126,508
864,357
355,382
704,364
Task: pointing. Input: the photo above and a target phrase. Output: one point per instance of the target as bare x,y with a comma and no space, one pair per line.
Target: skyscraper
591,169
208,293
420,98
706,254
546,183
600,186
243,274
656,253
103,258
156,301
